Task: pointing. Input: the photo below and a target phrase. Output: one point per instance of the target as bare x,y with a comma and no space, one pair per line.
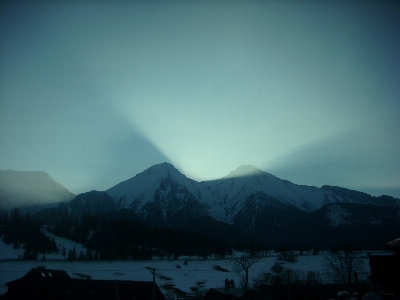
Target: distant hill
30,189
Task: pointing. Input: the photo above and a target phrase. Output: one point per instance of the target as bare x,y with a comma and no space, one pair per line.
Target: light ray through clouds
306,91
296,103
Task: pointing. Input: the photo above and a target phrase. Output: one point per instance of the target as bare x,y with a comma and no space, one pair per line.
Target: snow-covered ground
7,252
198,273
67,244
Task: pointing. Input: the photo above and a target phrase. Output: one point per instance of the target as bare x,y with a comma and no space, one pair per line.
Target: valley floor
197,273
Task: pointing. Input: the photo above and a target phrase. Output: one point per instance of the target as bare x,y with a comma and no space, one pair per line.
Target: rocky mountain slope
163,193
260,207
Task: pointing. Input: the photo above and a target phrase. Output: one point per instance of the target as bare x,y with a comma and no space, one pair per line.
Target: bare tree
343,266
243,263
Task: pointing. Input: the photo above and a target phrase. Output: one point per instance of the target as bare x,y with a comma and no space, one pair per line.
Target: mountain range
162,192
267,209
247,204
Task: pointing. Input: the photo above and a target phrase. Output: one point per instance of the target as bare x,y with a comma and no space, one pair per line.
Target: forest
107,238
24,231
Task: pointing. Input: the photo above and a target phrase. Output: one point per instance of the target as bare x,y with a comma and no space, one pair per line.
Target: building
385,268
42,283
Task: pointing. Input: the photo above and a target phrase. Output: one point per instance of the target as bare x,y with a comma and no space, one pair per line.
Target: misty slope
30,188
351,196
89,203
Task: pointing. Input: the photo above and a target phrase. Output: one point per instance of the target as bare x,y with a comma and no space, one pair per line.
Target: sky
95,92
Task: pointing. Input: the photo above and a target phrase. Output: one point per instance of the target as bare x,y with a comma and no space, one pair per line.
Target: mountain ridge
162,191
257,205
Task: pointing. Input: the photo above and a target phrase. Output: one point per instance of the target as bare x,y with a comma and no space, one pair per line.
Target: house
42,283
385,272
385,268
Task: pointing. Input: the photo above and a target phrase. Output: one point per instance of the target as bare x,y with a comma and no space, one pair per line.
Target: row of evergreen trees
126,238
105,238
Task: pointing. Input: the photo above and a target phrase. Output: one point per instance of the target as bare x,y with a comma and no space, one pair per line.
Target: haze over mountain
30,188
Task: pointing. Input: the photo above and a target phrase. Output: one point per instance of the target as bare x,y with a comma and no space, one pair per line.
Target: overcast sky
95,92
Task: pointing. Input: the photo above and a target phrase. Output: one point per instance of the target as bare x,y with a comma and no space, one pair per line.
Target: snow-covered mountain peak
141,189
162,169
161,191
243,171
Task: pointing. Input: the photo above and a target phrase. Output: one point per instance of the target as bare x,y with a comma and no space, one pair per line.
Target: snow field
197,273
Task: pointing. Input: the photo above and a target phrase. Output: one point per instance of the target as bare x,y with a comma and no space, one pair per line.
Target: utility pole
153,270
116,290
288,284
